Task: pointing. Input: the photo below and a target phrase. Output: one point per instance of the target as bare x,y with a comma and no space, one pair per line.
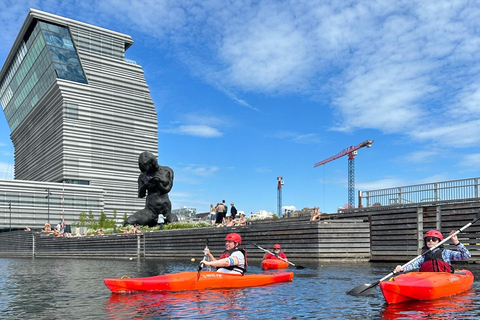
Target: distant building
262,214
305,212
80,114
185,214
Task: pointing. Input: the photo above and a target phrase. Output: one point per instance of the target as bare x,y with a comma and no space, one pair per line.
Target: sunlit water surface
74,289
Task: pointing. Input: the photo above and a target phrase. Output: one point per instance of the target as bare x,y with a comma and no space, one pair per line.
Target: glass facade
47,53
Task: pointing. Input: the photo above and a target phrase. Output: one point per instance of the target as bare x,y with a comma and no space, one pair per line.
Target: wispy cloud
194,125
380,184
194,130
201,170
263,170
420,156
304,138
471,161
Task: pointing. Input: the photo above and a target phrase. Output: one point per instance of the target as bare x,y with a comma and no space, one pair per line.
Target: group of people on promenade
220,216
58,231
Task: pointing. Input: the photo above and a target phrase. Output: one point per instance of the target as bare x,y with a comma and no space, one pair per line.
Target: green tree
92,223
102,220
82,219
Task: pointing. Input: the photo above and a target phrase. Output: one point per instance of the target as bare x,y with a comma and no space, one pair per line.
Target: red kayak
425,285
184,281
268,264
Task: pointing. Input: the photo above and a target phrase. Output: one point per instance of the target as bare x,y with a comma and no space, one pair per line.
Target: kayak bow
425,285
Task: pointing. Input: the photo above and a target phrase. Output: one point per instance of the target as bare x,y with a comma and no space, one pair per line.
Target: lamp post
279,195
48,204
10,208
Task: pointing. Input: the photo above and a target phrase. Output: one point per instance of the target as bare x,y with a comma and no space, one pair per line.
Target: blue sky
251,90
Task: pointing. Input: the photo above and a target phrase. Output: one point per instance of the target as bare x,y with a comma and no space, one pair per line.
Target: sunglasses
431,239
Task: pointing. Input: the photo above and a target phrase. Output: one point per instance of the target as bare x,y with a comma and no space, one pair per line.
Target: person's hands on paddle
207,256
454,237
398,269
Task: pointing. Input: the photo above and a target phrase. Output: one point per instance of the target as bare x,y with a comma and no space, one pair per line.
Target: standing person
212,214
225,211
438,260
233,210
219,210
277,249
232,260
161,220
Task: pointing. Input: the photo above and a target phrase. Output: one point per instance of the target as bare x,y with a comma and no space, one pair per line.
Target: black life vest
433,262
227,254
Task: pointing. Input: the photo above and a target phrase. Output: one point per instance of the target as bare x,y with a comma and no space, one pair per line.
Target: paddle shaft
274,254
201,265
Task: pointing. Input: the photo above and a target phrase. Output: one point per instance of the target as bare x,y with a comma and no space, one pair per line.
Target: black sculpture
155,182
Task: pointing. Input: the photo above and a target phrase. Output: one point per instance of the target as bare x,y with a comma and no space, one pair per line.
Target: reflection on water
73,288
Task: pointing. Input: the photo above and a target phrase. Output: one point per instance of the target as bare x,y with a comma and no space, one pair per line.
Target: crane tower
352,152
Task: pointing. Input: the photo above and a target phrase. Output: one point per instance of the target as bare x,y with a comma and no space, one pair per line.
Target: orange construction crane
352,152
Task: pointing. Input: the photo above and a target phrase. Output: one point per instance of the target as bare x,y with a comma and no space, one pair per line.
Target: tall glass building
78,111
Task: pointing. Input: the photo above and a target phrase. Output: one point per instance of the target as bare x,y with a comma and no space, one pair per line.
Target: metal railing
421,193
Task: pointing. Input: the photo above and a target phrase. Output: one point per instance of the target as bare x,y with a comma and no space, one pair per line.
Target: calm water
73,289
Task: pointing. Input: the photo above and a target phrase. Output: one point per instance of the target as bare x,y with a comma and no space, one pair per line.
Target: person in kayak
277,249
232,260
439,259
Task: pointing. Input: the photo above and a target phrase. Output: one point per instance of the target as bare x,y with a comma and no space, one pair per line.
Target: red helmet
235,237
277,246
434,233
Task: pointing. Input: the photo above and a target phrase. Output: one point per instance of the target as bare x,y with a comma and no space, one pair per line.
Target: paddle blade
299,267
364,289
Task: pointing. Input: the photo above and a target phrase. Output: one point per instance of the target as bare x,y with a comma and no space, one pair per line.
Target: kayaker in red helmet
277,249
438,260
232,260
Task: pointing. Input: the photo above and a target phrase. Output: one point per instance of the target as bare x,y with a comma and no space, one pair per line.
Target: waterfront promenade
390,233
300,238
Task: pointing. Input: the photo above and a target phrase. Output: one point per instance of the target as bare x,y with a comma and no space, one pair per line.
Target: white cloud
420,156
453,134
200,131
201,170
197,125
263,170
380,184
303,138
194,130
471,161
